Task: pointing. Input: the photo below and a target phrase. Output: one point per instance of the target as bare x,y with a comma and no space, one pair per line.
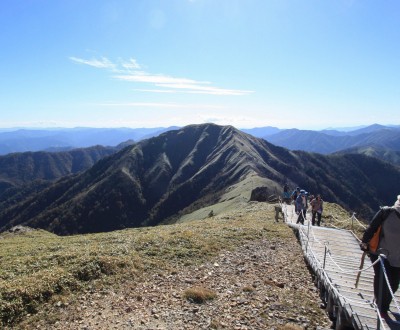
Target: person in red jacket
385,229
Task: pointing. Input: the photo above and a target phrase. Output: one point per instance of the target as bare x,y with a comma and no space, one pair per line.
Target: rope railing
340,221
308,238
353,220
381,257
319,268
314,261
359,222
345,272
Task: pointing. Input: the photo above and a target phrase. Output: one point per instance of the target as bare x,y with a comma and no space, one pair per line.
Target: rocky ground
261,285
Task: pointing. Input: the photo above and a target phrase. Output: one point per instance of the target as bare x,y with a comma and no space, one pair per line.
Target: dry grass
290,326
248,289
36,267
199,295
335,216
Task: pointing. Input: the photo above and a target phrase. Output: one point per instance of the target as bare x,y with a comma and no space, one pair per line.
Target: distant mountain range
378,141
332,141
359,140
163,177
61,139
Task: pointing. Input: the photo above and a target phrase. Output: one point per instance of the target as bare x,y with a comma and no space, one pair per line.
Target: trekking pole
361,267
380,293
326,250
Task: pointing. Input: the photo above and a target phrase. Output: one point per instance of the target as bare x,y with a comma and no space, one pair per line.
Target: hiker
286,194
301,206
382,238
285,188
295,194
317,206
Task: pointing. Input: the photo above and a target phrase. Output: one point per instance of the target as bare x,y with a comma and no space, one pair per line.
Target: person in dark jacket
301,206
294,196
386,223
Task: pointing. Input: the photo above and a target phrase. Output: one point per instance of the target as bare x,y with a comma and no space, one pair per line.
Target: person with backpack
317,206
287,196
294,196
382,237
301,206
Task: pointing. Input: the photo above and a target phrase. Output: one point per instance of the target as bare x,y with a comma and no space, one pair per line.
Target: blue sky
248,63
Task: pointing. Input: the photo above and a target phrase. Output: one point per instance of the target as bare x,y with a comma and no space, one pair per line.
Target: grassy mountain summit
180,171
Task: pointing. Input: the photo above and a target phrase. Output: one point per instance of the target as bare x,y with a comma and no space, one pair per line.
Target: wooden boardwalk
334,255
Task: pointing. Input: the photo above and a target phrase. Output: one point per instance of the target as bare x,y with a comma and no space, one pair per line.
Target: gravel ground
258,286
263,284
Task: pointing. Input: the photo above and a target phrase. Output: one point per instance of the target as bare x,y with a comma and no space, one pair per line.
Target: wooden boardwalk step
334,255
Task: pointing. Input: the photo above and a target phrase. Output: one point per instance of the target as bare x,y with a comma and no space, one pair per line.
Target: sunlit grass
199,295
35,266
335,216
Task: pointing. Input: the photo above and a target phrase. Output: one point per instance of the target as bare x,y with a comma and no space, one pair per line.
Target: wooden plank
346,254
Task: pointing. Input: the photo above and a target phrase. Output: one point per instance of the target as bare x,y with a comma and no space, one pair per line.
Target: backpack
374,242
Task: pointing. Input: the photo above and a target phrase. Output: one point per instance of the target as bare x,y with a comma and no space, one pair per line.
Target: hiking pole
361,267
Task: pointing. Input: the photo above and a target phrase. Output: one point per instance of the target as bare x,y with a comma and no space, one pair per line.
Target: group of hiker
302,202
380,241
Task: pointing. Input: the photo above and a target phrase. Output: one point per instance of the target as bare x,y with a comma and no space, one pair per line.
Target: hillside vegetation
43,275
18,169
161,179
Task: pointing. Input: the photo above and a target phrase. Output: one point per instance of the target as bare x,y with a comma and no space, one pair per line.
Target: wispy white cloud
132,64
200,89
131,71
169,91
141,76
160,105
103,63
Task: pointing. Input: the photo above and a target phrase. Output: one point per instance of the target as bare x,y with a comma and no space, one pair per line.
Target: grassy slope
38,267
234,198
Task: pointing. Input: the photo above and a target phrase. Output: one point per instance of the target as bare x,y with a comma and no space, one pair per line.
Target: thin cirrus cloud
103,63
131,71
161,105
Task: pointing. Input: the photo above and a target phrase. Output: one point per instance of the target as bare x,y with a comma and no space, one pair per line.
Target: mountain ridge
22,140
159,178
321,142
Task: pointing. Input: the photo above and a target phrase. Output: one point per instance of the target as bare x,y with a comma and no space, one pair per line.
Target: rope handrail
350,271
316,264
359,222
335,263
381,257
331,284
340,221
346,300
